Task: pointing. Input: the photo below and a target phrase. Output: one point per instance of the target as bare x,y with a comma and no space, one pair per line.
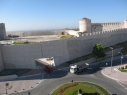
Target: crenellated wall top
103,32
110,23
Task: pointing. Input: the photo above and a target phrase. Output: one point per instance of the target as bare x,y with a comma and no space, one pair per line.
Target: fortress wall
106,26
56,49
1,61
103,33
23,56
84,45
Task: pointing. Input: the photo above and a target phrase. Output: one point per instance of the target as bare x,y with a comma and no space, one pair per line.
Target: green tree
98,51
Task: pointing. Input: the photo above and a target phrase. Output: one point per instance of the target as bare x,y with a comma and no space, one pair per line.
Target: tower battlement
115,31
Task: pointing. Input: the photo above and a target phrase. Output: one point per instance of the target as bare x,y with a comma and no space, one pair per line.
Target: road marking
121,85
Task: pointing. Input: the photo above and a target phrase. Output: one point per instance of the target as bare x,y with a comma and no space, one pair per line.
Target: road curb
108,76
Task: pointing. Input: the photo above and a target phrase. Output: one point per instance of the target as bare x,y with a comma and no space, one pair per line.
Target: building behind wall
2,31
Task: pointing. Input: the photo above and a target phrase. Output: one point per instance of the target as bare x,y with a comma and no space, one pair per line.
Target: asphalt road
93,74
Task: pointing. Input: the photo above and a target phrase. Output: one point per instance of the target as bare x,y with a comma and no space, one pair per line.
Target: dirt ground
37,38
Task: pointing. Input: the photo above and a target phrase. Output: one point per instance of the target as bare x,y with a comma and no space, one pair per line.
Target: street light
41,56
121,57
112,57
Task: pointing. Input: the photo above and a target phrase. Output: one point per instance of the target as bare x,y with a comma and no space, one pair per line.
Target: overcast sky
59,14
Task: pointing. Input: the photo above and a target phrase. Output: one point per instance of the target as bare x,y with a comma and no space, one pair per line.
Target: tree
98,51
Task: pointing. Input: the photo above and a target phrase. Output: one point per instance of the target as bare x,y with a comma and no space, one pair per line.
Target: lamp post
41,56
121,57
111,58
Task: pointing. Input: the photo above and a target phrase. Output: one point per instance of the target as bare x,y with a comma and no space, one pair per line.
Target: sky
58,14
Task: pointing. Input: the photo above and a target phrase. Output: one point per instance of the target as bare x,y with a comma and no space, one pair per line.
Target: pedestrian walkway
115,74
18,86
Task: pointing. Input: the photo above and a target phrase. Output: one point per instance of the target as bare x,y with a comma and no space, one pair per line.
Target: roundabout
84,88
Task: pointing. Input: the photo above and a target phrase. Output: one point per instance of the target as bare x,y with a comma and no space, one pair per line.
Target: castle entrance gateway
45,62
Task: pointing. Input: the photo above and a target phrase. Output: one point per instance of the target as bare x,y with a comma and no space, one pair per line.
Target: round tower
125,23
2,31
85,25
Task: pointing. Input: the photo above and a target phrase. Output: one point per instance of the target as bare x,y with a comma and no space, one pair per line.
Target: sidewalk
18,86
115,74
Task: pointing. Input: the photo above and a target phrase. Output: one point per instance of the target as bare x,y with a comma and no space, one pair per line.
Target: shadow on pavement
54,74
95,68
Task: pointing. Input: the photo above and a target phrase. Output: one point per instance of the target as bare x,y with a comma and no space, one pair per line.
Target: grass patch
17,43
66,36
123,70
87,89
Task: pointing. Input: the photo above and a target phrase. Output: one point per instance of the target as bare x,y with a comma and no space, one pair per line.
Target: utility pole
121,57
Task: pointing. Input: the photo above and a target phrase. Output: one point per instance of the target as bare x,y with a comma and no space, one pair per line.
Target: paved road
92,75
